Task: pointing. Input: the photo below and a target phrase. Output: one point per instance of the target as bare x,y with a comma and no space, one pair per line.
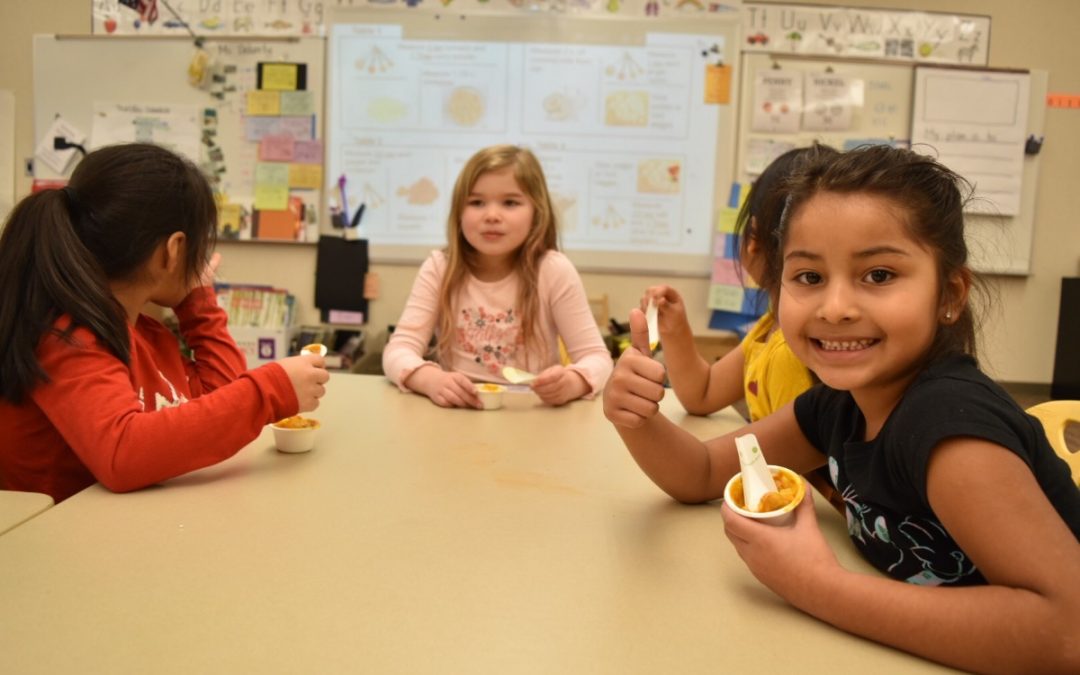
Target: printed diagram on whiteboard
628,147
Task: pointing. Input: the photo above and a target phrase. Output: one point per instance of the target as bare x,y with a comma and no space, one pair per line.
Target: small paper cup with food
295,434
491,395
775,508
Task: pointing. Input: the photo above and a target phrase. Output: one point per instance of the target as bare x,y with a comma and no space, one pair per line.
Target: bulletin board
998,243
633,121
83,79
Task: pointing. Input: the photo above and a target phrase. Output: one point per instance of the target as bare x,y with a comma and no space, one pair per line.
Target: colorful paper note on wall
282,224
276,148
727,271
300,128
717,84
308,152
725,220
271,186
305,176
271,197
279,76
263,103
297,103
728,298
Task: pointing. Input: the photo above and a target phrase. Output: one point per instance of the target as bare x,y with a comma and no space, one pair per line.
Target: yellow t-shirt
773,376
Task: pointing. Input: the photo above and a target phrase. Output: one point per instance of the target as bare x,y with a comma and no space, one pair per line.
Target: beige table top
18,507
412,539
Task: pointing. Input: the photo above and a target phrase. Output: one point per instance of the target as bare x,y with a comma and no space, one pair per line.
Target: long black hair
60,249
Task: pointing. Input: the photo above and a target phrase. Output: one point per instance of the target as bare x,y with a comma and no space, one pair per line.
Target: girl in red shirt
91,389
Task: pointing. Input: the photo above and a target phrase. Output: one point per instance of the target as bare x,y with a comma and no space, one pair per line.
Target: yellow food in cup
786,491
296,422
487,386
314,348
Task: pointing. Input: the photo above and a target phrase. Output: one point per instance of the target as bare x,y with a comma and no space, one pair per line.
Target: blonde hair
461,256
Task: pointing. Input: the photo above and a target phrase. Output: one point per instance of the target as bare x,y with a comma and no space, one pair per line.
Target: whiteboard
76,75
636,146
999,243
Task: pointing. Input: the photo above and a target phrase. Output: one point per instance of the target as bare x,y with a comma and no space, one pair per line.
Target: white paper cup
491,395
777,517
289,439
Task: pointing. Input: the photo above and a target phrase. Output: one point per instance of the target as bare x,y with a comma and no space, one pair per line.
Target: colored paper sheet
726,271
271,197
276,148
271,173
734,321
725,220
728,298
280,76
300,128
755,301
717,84
255,128
297,103
278,225
263,103
308,152
305,176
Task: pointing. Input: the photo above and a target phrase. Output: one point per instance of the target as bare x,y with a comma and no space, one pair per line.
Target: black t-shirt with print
883,482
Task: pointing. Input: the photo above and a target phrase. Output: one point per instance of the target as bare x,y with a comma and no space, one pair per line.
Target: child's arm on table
701,388
127,444
403,357
591,363
686,468
990,502
447,389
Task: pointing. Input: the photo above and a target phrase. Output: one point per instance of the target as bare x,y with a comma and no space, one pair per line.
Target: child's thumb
639,332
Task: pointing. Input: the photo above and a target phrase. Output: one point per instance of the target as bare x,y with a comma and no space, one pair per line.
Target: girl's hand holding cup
636,386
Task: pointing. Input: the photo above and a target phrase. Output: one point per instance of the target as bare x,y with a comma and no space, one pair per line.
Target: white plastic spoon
652,319
315,349
516,376
757,480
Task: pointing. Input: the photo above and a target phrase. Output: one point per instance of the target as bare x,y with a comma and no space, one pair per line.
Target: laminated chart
627,144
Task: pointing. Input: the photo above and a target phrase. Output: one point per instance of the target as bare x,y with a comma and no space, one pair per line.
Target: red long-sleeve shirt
133,426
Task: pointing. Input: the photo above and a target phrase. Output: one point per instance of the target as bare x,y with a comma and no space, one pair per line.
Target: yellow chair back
1056,416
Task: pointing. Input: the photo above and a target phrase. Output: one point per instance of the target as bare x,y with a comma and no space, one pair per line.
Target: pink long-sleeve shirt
487,335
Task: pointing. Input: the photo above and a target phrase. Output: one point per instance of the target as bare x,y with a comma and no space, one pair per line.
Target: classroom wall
1018,344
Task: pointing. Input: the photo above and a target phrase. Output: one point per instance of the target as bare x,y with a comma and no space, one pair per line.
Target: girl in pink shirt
91,389
500,294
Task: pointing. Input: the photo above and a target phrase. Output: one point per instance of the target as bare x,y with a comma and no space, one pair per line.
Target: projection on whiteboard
627,144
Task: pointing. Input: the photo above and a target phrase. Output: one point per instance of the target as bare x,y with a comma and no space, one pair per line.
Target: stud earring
948,316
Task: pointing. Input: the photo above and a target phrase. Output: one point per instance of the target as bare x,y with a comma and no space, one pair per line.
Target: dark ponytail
61,248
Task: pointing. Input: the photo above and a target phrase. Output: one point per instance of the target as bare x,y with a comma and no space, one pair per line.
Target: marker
344,199
358,216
